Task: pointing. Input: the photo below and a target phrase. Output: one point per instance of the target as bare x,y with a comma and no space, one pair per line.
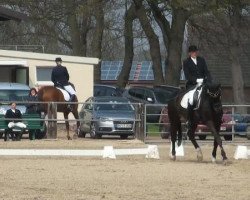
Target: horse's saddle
192,97
65,93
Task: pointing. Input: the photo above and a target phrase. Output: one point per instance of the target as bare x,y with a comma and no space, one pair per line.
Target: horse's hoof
75,136
225,162
199,155
213,159
173,157
69,138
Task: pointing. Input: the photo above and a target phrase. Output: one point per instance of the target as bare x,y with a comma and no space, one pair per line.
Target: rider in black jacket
194,67
60,78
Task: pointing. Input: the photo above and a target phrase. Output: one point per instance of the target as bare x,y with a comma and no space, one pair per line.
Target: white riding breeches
17,124
70,89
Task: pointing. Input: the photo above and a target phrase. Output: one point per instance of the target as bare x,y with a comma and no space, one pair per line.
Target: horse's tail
179,136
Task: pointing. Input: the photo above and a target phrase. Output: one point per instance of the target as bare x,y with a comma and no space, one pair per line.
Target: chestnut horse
52,94
209,112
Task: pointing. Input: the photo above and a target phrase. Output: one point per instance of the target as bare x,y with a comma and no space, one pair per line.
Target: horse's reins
214,95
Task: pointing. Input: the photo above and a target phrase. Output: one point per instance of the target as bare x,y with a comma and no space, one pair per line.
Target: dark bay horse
52,94
209,112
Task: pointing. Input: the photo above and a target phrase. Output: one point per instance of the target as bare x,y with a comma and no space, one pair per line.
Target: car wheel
202,137
123,137
40,134
228,137
93,133
248,133
81,134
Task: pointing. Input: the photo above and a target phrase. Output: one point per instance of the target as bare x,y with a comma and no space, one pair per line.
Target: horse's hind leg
67,125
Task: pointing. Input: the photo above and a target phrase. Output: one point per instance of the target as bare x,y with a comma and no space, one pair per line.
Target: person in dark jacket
14,119
32,107
60,78
195,69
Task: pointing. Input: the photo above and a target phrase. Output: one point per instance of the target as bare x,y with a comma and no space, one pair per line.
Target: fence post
139,128
52,123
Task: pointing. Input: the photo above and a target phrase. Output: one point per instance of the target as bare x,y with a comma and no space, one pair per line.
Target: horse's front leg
214,151
215,143
173,132
218,140
190,133
67,125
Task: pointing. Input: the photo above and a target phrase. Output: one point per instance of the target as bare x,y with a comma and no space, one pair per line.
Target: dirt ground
126,177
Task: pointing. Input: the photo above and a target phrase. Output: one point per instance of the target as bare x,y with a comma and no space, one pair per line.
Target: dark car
154,97
107,116
107,90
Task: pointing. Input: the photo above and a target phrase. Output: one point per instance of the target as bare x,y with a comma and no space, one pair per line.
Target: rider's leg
72,93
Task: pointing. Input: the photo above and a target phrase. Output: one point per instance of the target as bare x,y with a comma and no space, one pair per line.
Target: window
43,73
138,93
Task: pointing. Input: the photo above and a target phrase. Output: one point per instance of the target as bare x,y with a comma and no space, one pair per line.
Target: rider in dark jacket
60,78
194,67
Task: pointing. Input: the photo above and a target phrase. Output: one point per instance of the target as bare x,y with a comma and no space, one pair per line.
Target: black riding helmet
58,59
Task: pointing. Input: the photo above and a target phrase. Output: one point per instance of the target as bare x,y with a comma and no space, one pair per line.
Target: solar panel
110,70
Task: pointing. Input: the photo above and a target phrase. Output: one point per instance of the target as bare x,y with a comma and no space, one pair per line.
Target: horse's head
213,93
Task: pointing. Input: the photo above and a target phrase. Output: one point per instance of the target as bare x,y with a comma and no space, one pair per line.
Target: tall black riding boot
72,99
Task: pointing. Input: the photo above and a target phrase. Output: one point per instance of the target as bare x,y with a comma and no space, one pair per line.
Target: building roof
9,14
19,55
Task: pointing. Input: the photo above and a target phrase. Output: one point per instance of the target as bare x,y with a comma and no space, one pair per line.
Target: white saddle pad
189,98
65,94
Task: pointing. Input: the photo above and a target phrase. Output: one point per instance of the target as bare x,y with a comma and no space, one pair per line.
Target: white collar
13,110
194,60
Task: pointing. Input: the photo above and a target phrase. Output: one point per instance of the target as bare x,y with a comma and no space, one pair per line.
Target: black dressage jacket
193,71
11,114
60,76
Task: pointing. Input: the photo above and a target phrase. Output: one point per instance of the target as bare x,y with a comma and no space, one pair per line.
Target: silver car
107,116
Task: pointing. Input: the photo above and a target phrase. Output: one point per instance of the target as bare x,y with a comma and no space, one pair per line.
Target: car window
136,92
111,92
117,106
99,91
149,94
163,95
14,95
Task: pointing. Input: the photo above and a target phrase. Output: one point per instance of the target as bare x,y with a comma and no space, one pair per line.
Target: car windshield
117,106
14,95
163,96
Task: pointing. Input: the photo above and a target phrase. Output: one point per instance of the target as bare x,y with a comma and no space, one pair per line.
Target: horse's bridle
214,95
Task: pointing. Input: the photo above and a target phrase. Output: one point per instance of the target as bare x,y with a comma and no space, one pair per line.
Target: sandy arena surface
127,177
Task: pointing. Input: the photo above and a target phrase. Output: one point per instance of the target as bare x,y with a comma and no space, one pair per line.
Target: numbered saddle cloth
192,97
65,94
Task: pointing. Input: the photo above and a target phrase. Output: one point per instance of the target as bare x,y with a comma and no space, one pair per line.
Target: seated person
15,114
32,107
